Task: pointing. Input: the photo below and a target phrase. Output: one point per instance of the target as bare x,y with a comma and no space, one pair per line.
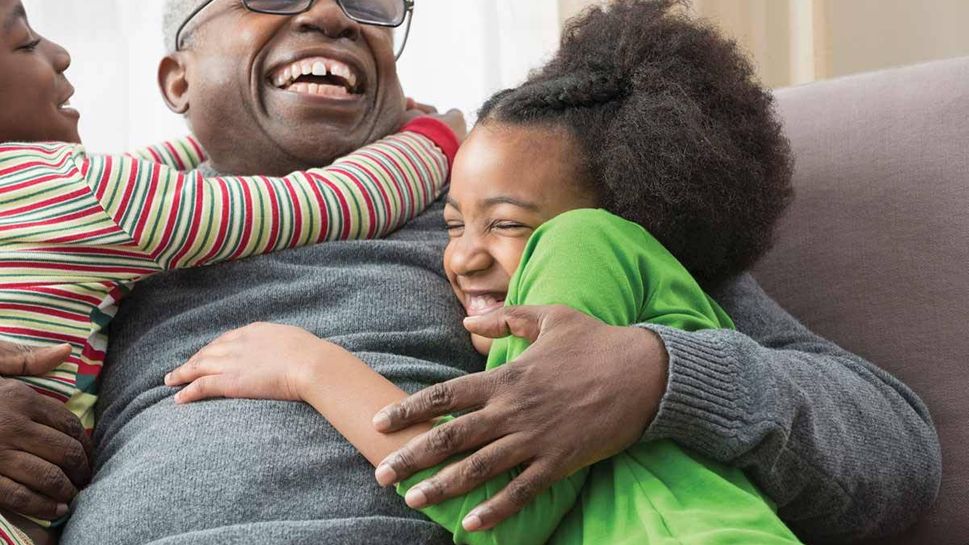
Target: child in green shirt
535,218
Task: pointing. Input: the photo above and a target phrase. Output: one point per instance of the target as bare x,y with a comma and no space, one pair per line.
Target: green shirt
655,492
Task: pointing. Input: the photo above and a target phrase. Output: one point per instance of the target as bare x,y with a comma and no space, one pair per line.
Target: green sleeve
608,268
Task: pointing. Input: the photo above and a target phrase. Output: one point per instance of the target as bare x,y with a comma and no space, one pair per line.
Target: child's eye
507,226
454,229
30,46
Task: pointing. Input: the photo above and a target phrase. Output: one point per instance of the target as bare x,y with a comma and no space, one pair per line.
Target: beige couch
874,253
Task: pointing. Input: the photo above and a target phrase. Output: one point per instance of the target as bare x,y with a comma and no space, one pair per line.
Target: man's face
253,114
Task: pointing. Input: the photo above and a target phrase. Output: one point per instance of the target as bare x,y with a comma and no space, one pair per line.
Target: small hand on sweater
259,361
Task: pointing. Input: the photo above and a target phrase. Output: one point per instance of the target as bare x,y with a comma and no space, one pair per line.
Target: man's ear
173,80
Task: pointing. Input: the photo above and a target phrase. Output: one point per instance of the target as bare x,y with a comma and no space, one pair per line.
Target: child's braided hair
677,134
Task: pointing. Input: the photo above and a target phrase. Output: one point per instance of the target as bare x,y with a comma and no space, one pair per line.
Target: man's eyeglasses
385,13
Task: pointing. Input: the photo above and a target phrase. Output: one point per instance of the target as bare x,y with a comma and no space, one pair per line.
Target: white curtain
460,51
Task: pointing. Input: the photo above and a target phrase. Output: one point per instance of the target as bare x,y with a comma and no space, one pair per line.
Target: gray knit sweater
842,447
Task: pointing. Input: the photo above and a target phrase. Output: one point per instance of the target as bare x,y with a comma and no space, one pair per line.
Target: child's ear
173,80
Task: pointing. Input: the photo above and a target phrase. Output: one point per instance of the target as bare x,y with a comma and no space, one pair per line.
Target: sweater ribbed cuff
706,398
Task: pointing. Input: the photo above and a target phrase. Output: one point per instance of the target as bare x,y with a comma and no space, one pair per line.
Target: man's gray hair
176,11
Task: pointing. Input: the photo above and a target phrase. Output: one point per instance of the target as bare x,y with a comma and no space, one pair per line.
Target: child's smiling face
506,181
33,90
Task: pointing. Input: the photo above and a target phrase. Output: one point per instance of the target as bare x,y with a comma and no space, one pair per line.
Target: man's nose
327,18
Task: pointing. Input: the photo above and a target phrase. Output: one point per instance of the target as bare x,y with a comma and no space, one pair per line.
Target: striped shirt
77,231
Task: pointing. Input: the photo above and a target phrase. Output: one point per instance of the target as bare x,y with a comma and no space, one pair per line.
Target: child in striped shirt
77,231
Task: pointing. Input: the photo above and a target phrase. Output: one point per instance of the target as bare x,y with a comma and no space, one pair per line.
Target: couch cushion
874,253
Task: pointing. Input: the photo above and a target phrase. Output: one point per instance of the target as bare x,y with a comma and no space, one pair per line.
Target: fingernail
472,522
386,475
415,497
61,510
168,379
381,421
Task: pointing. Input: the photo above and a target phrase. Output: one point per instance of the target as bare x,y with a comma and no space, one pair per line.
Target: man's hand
43,446
18,360
453,118
36,534
583,392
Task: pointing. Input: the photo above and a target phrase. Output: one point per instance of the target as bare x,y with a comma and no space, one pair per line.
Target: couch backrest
874,253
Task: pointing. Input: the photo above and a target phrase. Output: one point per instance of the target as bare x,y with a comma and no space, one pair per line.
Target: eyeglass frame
408,18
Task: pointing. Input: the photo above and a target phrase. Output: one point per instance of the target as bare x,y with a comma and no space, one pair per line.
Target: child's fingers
230,335
203,388
194,369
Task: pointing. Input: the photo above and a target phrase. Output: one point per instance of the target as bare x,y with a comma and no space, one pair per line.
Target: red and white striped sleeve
184,220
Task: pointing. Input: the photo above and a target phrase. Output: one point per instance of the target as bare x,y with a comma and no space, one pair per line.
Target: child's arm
182,154
184,220
270,361
246,363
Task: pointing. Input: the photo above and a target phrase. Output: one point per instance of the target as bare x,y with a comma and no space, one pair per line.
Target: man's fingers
66,452
465,392
40,476
435,446
470,473
524,322
17,360
203,388
53,414
19,499
513,498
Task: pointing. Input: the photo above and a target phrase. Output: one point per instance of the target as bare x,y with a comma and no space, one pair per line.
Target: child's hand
259,361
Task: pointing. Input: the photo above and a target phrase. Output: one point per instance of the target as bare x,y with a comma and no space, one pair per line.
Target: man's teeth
286,76
336,91
65,105
481,302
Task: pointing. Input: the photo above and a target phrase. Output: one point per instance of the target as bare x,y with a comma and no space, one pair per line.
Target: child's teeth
479,302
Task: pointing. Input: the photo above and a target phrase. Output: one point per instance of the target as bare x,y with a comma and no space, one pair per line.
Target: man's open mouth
318,76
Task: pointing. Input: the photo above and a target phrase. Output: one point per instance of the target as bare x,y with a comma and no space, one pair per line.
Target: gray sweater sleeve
844,449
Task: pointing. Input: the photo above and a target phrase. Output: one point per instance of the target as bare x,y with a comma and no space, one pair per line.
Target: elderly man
231,470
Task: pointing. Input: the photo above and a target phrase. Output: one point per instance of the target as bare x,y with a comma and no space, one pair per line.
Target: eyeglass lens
379,12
